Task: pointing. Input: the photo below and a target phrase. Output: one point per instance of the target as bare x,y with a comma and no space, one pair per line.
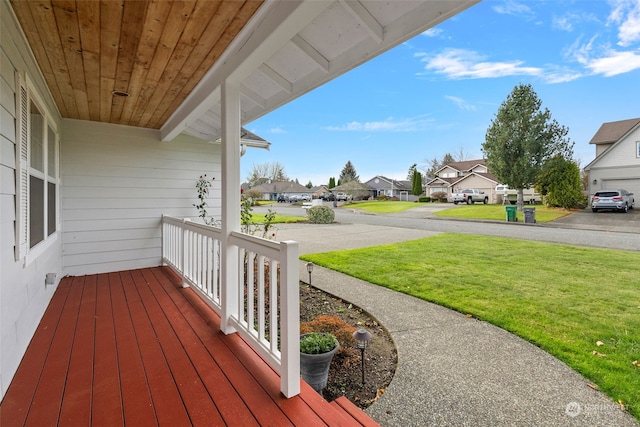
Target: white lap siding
619,167
117,183
23,294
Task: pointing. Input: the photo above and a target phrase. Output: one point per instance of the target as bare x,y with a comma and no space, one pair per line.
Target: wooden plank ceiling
171,57
130,62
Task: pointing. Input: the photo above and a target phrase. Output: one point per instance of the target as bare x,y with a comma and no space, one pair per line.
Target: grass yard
498,212
383,206
279,219
562,298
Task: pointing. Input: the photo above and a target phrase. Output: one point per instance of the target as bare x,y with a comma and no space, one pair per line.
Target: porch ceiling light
120,93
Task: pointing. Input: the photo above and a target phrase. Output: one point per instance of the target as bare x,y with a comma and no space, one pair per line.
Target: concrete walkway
453,370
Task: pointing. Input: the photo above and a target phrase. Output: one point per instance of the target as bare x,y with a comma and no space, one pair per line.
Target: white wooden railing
267,289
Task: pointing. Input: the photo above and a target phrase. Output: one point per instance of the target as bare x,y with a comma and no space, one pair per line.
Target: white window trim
25,94
638,149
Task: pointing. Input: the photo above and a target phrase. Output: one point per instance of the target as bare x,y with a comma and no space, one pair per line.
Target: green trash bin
511,213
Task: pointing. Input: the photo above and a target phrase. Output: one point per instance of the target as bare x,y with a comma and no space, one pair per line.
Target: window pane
51,208
51,153
36,211
35,140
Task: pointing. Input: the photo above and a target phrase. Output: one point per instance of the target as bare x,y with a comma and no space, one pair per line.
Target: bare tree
265,172
434,164
461,154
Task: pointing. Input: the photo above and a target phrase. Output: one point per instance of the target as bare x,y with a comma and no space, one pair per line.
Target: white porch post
231,124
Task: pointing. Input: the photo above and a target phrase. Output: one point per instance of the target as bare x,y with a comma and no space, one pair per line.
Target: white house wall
622,154
117,183
619,167
23,294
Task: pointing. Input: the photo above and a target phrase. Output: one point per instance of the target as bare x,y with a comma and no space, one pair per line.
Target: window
37,174
638,149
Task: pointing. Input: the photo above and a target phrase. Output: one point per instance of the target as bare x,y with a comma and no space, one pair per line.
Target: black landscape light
309,270
362,337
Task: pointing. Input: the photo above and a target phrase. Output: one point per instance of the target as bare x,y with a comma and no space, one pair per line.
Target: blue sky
439,91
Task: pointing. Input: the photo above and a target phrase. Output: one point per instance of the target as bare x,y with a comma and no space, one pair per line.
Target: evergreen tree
332,182
412,170
434,164
521,138
560,183
349,173
309,184
417,183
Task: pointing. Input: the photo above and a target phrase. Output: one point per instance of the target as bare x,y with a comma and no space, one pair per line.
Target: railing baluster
260,302
268,304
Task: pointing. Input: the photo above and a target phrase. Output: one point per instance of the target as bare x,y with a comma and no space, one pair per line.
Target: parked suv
620,200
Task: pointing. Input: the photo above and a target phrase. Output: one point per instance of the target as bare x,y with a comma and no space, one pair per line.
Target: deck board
76,406
136,392
131,348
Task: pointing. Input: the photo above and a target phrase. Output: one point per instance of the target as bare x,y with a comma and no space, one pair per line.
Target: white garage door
631,185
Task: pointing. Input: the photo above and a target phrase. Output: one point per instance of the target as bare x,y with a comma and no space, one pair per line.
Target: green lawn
383,206
562,298
279,219
498,212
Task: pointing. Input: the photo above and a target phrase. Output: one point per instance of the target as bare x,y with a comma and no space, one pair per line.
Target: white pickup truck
470,196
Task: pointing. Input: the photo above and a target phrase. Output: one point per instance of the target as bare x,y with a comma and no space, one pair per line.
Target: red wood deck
132,348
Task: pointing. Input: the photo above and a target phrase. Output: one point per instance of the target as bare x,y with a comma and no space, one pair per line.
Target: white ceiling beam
273,25
371,24
311,52
277,78
254,97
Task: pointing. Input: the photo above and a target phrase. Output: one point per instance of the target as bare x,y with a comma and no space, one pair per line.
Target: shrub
320,215
317,343
439,196
334,326
424,199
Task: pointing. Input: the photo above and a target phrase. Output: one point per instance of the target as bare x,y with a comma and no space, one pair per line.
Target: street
604,230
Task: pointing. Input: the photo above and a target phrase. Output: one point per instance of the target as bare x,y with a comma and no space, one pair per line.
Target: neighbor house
457,176
109,113
318,191
617,162
383,186
271,190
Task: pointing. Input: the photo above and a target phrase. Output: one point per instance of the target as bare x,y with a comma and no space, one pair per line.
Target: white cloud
602,59
466,64
511,7
615,63
570,20
388,125
277,130
563,23
626,14
461,103
580,52
432,32
562,76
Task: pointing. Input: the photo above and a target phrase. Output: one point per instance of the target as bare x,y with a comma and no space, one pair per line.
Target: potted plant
316,352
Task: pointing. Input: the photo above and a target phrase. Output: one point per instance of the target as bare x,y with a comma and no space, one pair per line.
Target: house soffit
171,57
